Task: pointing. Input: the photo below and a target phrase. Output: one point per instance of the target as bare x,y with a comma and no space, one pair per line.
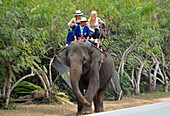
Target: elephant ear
62,56
97,56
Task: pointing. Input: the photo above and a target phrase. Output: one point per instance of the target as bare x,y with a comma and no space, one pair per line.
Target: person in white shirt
93,24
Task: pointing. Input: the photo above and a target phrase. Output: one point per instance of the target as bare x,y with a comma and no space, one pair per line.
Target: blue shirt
77,31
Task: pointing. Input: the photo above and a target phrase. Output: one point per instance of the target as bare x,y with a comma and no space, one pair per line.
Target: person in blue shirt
82,32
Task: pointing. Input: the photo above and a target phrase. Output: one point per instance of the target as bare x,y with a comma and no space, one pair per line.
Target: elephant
90,72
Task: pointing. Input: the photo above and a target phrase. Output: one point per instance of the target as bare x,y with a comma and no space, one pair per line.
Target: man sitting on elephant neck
82,32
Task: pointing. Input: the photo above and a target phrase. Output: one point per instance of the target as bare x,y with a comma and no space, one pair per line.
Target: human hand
75,24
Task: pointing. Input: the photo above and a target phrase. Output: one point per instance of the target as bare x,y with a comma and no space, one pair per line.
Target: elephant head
80,57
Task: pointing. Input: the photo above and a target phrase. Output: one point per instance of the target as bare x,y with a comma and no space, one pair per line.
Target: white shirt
96,25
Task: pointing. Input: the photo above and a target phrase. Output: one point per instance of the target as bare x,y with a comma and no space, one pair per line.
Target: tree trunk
43,74
50,75
150,75
9,85
43,83
137,91
165,78
154,76
128,50
4,86
165,87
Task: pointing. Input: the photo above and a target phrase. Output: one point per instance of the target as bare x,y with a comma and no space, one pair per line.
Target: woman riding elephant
90,73
93,24
73,22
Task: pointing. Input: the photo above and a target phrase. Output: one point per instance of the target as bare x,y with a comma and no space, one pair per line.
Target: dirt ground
70,110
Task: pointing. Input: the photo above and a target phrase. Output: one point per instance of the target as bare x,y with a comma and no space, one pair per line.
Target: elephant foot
86,110
79,114
98,109
82,113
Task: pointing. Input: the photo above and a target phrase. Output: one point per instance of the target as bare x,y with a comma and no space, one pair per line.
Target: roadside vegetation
32,31
70,110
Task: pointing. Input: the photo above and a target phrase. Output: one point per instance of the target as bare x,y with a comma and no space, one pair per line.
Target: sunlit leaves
21,40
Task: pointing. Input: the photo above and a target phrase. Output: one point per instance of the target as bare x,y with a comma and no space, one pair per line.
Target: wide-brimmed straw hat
78,12
83,19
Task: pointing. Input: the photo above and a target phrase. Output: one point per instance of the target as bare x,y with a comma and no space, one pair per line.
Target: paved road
159,109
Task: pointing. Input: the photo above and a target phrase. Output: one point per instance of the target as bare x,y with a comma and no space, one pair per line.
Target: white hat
78,12
83,19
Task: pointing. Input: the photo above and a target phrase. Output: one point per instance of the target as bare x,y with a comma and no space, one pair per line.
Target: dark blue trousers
70,37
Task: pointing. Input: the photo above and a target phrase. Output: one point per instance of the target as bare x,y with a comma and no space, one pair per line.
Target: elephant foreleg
82,86
98,102
92,89
98,99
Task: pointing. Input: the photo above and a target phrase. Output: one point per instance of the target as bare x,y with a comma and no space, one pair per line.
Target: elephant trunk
75,74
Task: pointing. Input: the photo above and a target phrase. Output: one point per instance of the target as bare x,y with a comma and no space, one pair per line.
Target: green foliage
142,21
126,85
25,88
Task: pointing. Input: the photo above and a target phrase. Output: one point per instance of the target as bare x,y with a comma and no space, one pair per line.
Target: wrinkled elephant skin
90,73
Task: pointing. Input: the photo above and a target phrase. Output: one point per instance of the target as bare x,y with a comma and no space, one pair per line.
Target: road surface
159,109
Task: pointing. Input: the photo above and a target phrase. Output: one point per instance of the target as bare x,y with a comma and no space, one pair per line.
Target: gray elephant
90,73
